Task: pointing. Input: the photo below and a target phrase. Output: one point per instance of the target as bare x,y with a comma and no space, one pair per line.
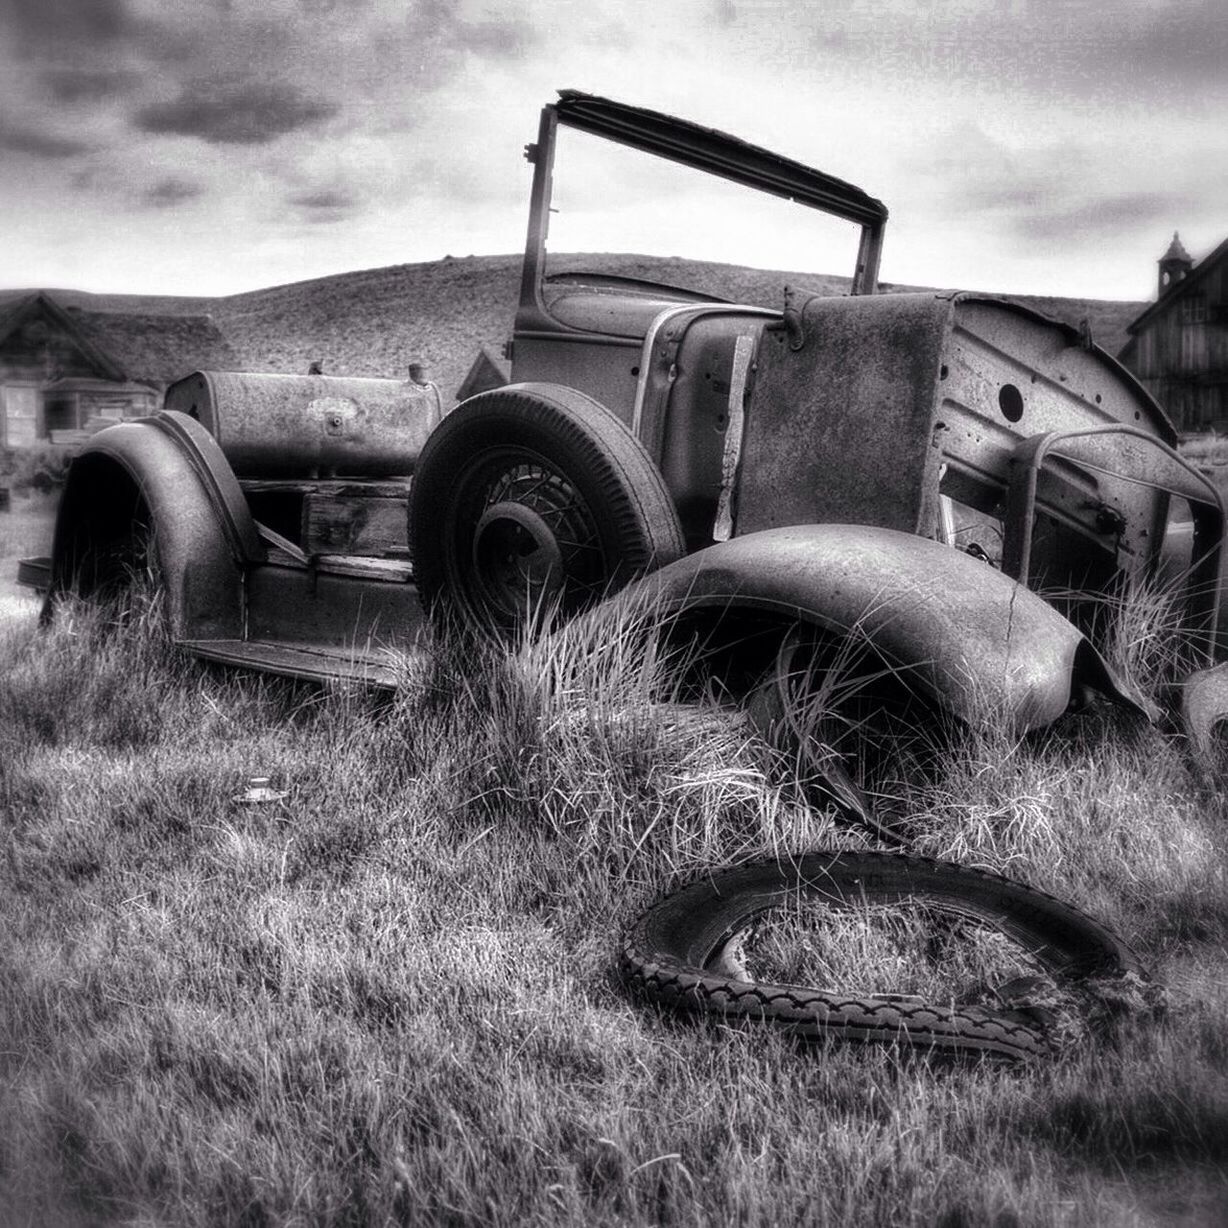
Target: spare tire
673,952
534,501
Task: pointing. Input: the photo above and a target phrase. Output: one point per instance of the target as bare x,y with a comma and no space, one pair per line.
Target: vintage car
917,468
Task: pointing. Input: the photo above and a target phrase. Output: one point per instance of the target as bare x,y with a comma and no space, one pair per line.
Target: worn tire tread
666,950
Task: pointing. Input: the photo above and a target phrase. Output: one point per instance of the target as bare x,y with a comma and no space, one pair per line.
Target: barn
65,371
1178,347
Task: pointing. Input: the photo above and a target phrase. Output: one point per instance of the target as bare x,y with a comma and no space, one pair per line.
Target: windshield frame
705,149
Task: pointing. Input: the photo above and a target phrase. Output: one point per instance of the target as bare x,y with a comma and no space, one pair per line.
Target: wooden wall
1181,353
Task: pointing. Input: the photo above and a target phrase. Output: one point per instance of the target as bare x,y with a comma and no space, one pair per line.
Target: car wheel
530,503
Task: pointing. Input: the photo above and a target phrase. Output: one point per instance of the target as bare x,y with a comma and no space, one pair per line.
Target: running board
315,663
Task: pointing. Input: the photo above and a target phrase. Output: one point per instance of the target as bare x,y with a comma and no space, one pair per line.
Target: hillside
376,321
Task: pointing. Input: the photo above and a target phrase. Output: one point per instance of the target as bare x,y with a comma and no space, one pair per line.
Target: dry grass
388,998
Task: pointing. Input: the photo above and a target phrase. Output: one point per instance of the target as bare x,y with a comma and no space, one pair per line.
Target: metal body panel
704,394
310,662
968,637
310,424
159,473
842,428
1010,375
310,606
606,368
868,410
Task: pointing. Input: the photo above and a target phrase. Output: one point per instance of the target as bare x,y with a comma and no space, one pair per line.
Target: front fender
167,473
967,636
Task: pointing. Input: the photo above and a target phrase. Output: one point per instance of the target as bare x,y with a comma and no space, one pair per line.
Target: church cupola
1174,265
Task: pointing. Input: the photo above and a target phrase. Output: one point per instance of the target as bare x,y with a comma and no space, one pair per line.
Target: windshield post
542,156
865,279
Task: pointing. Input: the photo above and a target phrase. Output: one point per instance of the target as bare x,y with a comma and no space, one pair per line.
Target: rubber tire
668,951
579,439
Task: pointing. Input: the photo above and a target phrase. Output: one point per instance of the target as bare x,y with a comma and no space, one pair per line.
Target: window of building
1194,309
60,414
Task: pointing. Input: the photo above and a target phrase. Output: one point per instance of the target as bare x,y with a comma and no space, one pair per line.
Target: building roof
1176,251
83,384
158,348
149,348
1179,289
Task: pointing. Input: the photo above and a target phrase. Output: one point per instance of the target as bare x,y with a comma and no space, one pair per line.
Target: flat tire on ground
671,953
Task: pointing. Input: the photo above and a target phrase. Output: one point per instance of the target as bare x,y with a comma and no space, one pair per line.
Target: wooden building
1178,347
65,371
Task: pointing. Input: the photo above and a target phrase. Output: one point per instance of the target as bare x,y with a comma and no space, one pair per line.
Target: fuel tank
310,425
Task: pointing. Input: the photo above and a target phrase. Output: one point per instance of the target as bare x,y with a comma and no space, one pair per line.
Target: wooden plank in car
337,524
379,488
399,571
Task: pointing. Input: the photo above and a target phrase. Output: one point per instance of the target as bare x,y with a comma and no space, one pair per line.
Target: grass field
389,998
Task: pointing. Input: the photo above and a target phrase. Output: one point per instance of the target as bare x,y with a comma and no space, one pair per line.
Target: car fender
168,472
966,636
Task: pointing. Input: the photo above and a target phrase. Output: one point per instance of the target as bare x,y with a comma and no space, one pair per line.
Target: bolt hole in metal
1010,402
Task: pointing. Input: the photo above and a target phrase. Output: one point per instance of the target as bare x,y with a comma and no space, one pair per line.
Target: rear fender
165,474
963,635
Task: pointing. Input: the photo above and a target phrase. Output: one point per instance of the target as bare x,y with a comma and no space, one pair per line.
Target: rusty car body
918,466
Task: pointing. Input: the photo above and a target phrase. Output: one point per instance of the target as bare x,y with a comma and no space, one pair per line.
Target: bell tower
1174,265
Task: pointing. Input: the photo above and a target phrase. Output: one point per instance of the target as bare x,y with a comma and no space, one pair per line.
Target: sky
213,146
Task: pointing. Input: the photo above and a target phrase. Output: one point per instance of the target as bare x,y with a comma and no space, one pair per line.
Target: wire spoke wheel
530,503
535,543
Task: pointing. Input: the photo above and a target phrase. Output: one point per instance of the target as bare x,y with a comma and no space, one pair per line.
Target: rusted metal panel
203,534
320,606
309,662
843,428
965,635
604,368
868,410
317,425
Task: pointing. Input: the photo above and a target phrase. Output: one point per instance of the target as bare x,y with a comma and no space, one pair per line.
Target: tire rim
525,539
517,563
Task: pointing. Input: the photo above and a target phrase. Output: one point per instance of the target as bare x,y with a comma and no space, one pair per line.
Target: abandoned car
920,467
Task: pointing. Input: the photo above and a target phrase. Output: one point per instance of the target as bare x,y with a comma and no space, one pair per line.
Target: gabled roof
1181,288
43,304
1176,251
489,370
159,348
129,346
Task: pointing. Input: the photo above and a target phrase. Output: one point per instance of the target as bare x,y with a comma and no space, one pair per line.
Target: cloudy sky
213,146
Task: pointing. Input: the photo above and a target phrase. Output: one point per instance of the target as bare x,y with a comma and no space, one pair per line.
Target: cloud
38,143
1108,214
496,39
167,193
235,113
53,22
323,205
86,85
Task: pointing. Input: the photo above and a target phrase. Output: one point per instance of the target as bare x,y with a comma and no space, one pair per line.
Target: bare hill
377,321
